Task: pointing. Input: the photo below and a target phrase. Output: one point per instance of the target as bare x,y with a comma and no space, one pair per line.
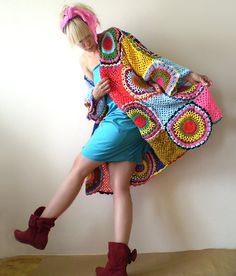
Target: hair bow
88,17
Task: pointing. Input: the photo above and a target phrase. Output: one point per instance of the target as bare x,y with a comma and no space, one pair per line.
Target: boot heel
119,255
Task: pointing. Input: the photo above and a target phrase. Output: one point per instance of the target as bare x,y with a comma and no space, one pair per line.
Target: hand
195,78
101,89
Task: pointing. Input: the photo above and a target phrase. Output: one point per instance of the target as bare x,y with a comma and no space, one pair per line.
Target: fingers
102,88
206,80
194,78
203,81
104,85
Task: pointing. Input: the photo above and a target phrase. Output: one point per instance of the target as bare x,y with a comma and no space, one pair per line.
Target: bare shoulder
85,66
84,62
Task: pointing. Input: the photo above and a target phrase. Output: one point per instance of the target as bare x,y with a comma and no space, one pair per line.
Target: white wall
43,127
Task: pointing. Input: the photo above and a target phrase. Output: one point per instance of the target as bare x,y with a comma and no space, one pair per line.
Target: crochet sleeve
151,66
96,109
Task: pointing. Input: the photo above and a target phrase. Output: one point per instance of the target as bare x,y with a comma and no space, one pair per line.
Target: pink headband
89,18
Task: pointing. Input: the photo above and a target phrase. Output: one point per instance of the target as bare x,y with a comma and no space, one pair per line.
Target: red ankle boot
37,232
119,255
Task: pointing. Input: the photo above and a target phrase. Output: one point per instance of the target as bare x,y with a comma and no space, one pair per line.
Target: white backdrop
43,127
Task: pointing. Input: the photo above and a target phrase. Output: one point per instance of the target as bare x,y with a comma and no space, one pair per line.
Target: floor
208,262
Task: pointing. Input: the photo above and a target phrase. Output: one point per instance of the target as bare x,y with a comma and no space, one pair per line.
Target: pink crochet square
206,101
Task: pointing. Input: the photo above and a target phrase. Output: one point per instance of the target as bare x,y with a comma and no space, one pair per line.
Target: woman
119,142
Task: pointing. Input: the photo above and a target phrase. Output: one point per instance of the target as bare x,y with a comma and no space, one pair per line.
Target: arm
94,99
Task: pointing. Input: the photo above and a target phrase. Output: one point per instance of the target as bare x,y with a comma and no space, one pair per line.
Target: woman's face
88,43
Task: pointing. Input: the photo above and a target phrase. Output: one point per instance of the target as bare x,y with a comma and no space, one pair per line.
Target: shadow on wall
22,172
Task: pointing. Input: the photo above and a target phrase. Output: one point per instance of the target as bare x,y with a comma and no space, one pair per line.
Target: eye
85,38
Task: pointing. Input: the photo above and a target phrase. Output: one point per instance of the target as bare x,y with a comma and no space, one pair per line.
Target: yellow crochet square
138,58
166,150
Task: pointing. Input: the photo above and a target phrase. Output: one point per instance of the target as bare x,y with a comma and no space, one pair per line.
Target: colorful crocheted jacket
173,116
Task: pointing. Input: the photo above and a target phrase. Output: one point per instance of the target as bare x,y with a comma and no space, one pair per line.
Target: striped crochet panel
96,111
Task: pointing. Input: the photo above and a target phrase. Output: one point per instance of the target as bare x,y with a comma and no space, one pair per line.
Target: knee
79,169
121,190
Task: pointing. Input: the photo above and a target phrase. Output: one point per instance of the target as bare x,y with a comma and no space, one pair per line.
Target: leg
120,174
70,187
119,254
43,218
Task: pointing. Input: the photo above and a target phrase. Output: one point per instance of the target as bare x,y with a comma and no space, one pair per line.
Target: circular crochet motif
190,127
189,92
139,121
143,118
136,86
143,170
110,47
93,180
162,77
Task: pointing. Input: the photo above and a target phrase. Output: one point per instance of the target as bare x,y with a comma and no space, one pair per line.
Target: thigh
120,174
84,166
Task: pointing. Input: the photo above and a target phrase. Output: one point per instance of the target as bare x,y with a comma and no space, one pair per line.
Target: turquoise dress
116,138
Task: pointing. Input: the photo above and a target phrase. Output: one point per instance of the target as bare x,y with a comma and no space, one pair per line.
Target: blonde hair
76,29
